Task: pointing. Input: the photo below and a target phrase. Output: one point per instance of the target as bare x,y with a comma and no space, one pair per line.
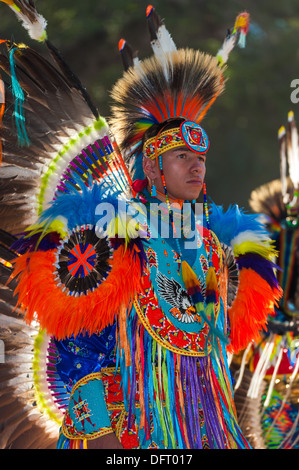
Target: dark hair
170,123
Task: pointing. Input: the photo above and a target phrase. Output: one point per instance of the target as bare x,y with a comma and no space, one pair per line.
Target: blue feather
31,243
137,168
79,206
226,225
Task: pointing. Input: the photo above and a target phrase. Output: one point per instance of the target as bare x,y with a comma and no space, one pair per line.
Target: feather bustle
73,315
249,312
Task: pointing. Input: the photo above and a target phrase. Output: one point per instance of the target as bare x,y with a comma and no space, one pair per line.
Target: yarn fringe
65,443
19,102
169,386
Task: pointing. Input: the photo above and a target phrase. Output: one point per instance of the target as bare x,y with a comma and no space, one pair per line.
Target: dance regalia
133,326
267,386
164,345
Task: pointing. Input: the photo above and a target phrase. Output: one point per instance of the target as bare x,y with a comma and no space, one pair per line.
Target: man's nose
197,167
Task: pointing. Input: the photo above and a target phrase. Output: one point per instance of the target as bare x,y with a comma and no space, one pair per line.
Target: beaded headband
189,133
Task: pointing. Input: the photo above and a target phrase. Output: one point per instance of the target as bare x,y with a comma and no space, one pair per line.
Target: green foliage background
243,123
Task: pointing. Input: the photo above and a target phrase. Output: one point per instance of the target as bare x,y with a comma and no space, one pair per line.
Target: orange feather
248,314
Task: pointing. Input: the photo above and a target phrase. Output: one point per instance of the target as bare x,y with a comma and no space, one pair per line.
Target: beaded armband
87,416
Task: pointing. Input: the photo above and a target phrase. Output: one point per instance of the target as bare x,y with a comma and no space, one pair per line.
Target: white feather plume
36,27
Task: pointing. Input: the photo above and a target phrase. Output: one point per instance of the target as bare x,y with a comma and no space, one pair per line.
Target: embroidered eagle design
174,294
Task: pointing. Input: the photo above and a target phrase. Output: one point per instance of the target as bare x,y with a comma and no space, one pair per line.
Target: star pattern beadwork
82,411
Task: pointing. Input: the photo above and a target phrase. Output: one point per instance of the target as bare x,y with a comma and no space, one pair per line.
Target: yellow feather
189,276
211,280
265,249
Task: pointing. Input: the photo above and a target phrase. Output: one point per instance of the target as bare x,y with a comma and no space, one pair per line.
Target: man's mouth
195,181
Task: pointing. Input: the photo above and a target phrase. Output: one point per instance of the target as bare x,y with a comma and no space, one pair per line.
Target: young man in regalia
142,315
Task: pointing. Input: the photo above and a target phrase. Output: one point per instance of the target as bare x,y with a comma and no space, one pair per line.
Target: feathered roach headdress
173,83
279,199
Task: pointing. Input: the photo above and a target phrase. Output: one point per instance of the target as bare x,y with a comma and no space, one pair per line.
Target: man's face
184,172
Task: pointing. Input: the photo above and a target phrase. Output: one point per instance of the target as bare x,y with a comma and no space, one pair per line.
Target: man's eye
181,155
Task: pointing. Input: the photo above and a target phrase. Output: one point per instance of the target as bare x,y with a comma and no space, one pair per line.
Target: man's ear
150,168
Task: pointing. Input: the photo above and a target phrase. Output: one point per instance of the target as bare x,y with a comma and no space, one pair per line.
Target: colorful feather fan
258,289
79,283
30,408
65,140
67,162
62,315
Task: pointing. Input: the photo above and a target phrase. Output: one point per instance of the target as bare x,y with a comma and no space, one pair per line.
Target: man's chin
193,197
188,196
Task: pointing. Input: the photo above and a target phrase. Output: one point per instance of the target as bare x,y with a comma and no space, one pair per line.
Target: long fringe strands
261,368
273,378
19,102
279,413
189,403
242,367
205,308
